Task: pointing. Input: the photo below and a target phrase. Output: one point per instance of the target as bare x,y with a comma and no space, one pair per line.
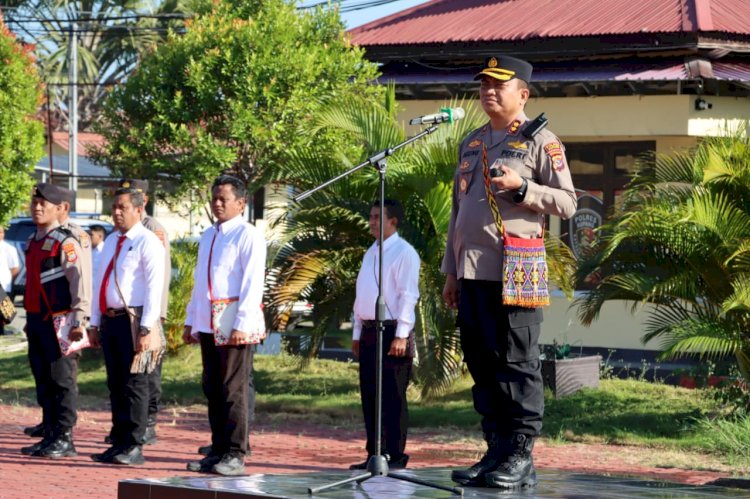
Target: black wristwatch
144,331
521,192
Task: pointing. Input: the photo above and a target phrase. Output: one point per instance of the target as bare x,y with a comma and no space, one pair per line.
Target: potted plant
565,372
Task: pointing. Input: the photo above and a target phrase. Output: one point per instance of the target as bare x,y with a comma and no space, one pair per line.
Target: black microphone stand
377,465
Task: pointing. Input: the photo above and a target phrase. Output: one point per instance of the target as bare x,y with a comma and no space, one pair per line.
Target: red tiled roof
85,140
446,21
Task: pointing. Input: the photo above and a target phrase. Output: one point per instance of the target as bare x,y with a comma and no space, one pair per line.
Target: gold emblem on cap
126,184
492,63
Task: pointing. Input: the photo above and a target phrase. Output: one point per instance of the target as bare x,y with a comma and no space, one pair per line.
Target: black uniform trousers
501,350
128,392
54,375
396,373
225,385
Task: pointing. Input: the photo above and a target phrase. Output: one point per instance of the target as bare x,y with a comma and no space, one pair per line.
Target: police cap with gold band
504,68
136,185
51,192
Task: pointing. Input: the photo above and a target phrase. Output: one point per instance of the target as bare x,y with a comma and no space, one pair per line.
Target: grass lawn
629,412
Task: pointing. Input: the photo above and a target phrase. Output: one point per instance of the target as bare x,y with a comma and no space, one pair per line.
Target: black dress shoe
62,446
204,450
231,464
107,455
130,456
149,438
34,431
397,463
205,465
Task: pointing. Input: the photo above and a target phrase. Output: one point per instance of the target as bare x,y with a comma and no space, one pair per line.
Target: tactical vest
44,272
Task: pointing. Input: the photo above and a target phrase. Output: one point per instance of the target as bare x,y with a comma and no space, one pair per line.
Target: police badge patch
70,252
555,153
161,236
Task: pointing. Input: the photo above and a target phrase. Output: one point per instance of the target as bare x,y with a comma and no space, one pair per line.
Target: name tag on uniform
507,153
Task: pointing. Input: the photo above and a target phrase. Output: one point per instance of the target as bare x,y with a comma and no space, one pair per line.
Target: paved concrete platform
552,484
297,451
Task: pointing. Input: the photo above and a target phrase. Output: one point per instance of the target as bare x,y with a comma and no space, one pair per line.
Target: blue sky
359,17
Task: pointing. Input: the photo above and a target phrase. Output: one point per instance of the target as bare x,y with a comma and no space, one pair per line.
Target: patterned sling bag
525,281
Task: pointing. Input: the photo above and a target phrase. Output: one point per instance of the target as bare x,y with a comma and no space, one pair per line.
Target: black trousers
54,375
396,373
154,392
501,350
128,393
225,384
251,389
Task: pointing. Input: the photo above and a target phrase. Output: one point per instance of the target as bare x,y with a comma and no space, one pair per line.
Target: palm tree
325,236
680,243
112,35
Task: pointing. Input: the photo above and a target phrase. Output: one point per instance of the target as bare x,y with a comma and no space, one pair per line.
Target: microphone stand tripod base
378,466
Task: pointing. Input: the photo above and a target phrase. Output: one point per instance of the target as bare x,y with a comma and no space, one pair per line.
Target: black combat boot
496,454
61,447
149,437
517,470
35,431
47,439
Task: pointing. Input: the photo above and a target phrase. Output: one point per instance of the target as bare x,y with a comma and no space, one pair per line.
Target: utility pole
73,112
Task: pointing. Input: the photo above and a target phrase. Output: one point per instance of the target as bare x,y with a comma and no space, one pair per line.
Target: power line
30,19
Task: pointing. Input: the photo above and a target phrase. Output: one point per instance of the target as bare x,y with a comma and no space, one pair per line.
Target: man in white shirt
98,233
230,268
131,279
9,268
400,293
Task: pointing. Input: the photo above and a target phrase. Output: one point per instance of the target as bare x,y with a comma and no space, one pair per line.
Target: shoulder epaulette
61,234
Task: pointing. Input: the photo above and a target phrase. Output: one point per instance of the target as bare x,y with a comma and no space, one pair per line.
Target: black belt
375,323
114,312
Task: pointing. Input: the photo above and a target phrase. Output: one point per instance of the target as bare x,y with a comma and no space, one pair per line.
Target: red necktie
107,273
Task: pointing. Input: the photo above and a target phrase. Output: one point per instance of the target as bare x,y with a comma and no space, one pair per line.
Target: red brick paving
295,447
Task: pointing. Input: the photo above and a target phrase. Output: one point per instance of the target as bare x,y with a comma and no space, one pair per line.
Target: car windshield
19,231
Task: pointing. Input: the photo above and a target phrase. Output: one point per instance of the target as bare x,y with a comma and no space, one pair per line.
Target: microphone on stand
446,114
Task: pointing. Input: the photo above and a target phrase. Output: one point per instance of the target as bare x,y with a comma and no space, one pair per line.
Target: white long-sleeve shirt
238,264
8,261
139,270
400,286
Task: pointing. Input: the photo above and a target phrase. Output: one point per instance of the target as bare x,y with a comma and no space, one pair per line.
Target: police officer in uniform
500,343
86,263
55,282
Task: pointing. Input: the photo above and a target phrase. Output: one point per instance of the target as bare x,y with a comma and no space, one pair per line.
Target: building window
600,172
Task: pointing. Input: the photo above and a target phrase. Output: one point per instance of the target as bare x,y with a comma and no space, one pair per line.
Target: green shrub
184,258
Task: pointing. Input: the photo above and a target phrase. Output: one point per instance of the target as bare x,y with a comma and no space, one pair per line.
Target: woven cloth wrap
146,362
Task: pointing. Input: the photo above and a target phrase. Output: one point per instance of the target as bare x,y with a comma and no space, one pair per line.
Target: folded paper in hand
63,323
